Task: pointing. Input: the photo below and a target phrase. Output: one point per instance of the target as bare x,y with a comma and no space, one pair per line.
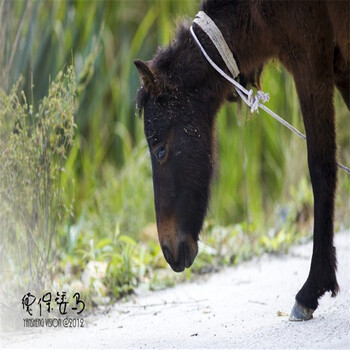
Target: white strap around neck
216,36
214,33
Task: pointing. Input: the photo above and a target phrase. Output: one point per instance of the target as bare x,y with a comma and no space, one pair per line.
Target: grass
35,141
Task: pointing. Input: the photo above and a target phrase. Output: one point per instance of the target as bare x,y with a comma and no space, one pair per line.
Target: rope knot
253,100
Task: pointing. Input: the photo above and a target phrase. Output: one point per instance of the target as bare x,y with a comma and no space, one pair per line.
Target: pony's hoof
300,313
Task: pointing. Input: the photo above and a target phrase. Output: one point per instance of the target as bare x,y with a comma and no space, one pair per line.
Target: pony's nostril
167,254
181,256
184,255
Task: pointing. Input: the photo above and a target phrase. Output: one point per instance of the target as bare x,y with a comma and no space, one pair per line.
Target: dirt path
236,308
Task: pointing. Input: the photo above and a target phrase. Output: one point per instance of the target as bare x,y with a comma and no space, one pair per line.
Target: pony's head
180,94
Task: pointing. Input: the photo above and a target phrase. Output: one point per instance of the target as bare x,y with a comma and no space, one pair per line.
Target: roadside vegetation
76,205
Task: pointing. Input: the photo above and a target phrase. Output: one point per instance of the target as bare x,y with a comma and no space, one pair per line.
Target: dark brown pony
181,94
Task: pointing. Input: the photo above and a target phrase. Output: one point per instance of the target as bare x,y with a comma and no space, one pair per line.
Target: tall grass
33,151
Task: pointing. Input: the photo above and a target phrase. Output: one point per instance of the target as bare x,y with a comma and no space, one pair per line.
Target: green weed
34,143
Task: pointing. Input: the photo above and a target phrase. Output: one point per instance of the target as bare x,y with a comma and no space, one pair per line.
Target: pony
181,93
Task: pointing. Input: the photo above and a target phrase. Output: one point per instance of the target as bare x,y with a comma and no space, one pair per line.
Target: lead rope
253,101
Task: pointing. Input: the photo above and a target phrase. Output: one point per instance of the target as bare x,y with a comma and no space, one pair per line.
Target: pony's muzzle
180,255
179,248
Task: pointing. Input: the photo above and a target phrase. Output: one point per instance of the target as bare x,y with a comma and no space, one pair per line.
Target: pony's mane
181,64
163,62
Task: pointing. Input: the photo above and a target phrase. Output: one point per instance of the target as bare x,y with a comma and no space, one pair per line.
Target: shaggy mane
181,64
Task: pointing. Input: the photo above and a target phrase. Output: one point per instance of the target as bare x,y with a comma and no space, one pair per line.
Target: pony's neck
183,67
245,33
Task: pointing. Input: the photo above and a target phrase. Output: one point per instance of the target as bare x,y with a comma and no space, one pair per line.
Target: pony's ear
147,77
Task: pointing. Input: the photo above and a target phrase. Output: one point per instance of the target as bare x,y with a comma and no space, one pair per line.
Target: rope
209,27
253,101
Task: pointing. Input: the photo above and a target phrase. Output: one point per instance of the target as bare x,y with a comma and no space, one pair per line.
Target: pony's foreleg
314,81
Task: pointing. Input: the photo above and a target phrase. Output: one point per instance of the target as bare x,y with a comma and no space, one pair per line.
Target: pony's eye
155,140
160,153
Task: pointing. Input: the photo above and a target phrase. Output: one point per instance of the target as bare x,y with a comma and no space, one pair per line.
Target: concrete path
242,307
